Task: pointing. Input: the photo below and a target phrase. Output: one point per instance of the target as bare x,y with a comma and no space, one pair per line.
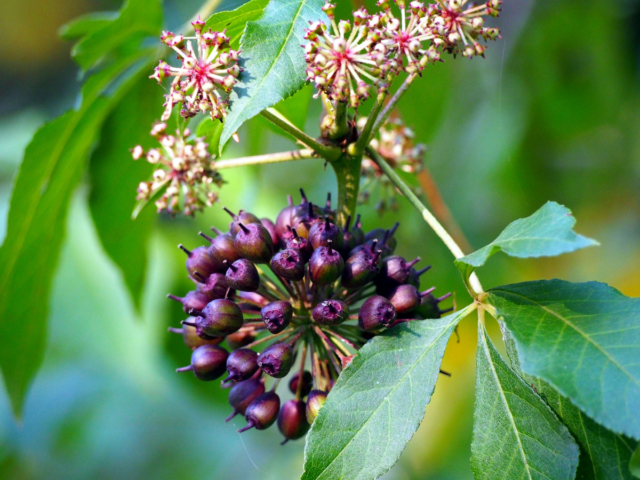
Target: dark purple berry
376,312
276,360
359,269
242,394
254,243
305,385
277,315
191,338
429,306
348,238
219,318
303,218
394,271
243,275
405,298
262,412
222,249
386,240
214,287
325,265
208,362
323,234
198,262
357,232
292,420
288,264
330,312
240,339
271,228
300,245
241,365
193,300
243,217
314,402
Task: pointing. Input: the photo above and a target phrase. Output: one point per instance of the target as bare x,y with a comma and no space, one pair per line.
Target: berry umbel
331,288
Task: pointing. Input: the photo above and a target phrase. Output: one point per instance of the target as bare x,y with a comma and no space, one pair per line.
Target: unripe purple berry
190,336
376,312
219,318
330,312
240,339
359,269
300,245
198,262
324,234
241,365
208,362
262,412
243,217
314,402
405,298
394,271
216,286
292,420
277,315
254,243
288,264
194,300
305,384
276,360
221,249
325,265
271,228
243,275
242,394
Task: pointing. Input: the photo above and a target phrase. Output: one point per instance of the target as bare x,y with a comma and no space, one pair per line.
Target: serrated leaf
272,58
604,455
378,402
515,434
582,338
234,21
114,178
546,233
137,20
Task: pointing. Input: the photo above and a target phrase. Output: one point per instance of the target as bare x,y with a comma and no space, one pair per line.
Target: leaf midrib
567,322
386,398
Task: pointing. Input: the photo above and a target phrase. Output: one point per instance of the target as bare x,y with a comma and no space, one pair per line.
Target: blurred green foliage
551,114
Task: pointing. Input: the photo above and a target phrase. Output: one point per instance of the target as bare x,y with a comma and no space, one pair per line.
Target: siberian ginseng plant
311,318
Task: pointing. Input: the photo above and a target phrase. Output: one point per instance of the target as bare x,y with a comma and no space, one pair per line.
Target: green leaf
546,233
114,178
234,21
272,58
211,130
378,401
515,435
85,24
137,20
582,338
634,463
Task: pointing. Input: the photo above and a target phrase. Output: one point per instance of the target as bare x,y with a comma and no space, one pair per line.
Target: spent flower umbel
185,170
322,307
206,76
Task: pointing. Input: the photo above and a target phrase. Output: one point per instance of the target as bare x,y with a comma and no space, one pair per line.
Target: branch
264,159
369,129
393,102
426,214
325,151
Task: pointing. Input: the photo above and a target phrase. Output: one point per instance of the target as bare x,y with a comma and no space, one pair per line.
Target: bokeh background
551,113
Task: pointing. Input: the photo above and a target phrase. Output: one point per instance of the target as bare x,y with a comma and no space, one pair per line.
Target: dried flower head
185,169
206,76
394,143
341,61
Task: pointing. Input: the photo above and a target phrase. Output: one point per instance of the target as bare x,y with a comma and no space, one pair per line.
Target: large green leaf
515,435
582,338
604,455
137,20
114,179
378,402
234,21
634,464
272,58
546,233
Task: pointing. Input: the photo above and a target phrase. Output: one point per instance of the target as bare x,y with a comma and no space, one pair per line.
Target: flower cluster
206,76
185,169
341,61
329,290
395,143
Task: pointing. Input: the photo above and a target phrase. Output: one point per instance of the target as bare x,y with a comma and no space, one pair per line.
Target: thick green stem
347,170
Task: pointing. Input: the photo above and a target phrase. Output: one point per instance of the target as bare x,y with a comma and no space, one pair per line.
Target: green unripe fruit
219,318
325,265
314,404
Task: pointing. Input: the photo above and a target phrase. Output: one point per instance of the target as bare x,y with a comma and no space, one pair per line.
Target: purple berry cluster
302,289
